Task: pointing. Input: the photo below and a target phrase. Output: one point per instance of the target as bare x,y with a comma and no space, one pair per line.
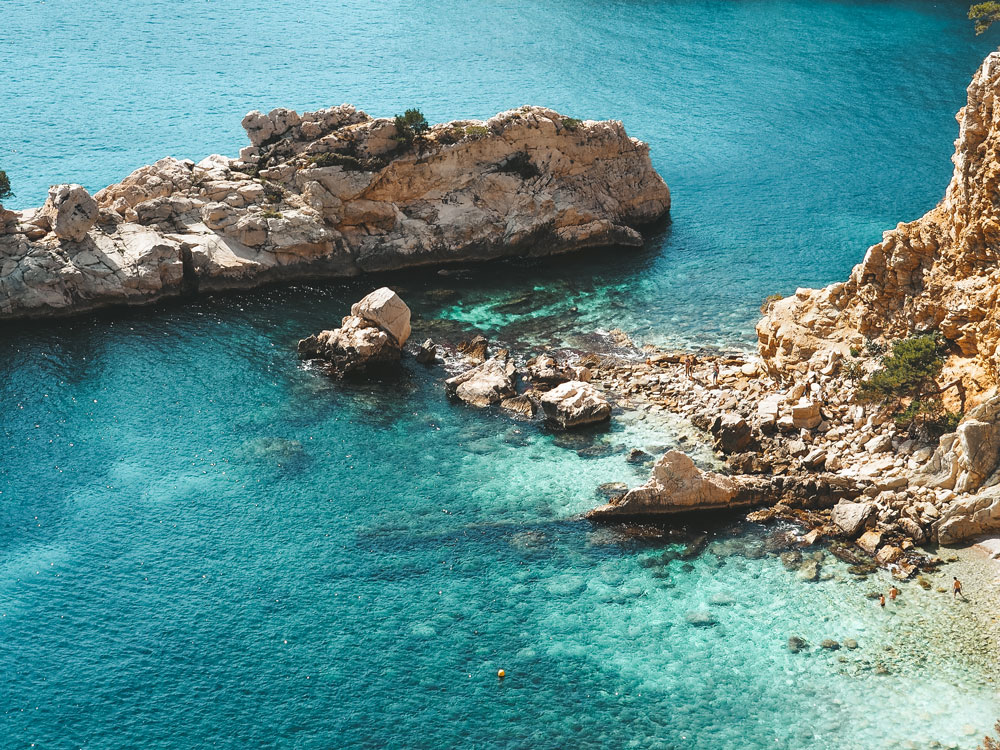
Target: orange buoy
501,674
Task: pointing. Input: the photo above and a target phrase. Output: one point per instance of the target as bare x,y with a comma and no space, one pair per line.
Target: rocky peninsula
330,194
798,426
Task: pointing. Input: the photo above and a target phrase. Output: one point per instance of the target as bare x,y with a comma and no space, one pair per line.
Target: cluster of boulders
807,450
560,390
370,342
333,193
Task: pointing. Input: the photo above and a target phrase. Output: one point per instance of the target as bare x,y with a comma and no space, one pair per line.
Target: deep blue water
203,544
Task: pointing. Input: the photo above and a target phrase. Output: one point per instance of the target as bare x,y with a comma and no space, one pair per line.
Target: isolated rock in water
362,346
69,212
358,347
385,309
676,485
427,353
852,518
575,404
335,194
486,384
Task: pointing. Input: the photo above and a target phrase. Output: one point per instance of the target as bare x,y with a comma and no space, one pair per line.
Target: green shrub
449,135
914,364
855,352
476,131
410,125
985,15
272,193
344,161
269,214
769,300
5,191
571,124
853,370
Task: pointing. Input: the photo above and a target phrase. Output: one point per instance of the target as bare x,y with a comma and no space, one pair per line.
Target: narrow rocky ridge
331,194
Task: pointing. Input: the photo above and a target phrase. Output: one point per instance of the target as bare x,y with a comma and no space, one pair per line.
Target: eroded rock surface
940,272
332,193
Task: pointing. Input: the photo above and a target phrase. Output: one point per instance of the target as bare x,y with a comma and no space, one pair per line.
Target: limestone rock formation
964,519
676,486
368,340
332,193
69,212
575,404
385,309
485,384
940,272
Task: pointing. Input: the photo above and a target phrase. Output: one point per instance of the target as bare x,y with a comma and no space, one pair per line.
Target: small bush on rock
344,161
5,191
571,124
476,131
272,193
410,125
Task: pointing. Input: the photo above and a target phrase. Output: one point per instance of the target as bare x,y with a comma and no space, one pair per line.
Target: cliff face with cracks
328,194
939,272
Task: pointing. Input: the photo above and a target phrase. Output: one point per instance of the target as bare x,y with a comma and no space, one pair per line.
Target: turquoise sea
205,544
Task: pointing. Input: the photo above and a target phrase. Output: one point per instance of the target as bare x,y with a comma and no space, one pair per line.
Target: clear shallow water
203,544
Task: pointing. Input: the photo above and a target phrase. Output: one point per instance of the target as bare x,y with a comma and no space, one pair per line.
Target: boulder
806,414
851,518
732,433
474,349
964,519
385,309
869,541
69,212
575,404
676,486
912,529
485,384
357,348
427,354
888,554
545,371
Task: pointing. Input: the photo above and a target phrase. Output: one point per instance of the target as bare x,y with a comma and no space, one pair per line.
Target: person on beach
956,589
715,372
881,600
893,593
686,359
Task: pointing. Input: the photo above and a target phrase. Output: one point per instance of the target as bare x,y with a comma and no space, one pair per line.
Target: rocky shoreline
331,194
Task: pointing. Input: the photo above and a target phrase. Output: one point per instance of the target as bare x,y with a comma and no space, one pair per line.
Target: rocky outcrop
676,486
369,341
575,404
940,272
332,193
965,519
